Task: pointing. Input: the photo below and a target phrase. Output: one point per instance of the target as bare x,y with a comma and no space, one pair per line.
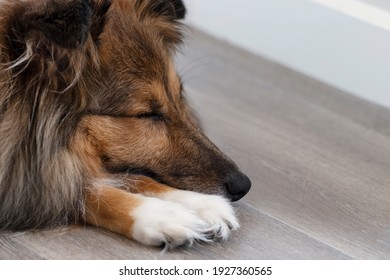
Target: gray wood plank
316,167
11,250
260,237
204,51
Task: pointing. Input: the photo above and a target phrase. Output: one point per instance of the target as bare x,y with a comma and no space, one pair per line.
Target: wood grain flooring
319,160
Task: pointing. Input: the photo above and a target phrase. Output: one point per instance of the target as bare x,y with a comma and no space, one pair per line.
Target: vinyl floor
318,158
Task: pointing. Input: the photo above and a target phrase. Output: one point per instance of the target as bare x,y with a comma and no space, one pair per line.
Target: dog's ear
173,9
63,23
99,18
47,39
166,15
180,9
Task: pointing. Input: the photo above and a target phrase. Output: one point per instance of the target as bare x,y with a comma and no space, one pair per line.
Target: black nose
238,185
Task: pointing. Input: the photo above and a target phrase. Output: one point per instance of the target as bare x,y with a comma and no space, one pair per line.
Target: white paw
158,222
215,210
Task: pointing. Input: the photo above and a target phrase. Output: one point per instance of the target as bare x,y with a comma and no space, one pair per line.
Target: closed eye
155,116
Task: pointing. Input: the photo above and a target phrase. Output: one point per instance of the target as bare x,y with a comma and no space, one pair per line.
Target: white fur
183,217
215,210
158,222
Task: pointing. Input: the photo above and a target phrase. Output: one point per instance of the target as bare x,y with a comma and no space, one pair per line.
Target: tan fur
110,208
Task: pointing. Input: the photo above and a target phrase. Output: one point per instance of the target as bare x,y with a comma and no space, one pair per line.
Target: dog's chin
222,191
217,189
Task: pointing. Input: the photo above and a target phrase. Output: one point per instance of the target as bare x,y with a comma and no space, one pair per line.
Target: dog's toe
215,210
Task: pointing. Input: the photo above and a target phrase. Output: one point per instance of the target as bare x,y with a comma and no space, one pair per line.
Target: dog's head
114,59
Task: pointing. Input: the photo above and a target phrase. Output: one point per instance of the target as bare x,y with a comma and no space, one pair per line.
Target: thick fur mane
49,55
39,99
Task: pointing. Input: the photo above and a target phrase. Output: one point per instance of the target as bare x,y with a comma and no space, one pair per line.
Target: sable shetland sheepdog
94,125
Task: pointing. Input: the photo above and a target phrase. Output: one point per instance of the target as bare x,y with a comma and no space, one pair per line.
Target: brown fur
88,95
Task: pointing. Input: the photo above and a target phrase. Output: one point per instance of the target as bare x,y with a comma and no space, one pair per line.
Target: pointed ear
99,18
180,9
63,23
173,9
166,15
46,40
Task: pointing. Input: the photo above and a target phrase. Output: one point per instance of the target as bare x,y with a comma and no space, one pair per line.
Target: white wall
339,48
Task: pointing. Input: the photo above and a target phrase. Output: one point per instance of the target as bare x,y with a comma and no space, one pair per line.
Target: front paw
158,222
215,210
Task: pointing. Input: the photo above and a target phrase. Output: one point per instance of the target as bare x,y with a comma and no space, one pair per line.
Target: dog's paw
158,222
215,210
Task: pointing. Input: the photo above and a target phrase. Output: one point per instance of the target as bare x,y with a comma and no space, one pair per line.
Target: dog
95,127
